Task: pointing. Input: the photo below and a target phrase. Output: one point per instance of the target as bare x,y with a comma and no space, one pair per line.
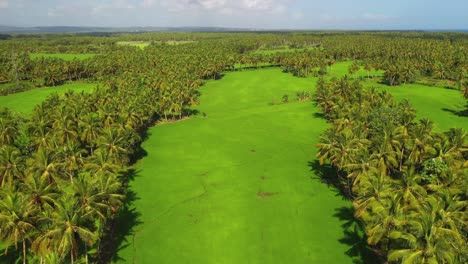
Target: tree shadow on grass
353,232
327,175
461,113
319,115
355,237
191,112
140,152
215,76
123,227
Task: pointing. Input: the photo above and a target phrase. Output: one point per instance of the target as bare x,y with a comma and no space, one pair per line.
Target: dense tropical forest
67,166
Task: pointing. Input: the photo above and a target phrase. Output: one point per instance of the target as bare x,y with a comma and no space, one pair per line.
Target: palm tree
451,146
384,218
430,241
412,193
67,230
113,140
353,69
42,195
88,197
101,164
360,168
90,127
408,113
16,219
72,159
421,146
372,189
386,158
110,189
10,165
8,130
46,165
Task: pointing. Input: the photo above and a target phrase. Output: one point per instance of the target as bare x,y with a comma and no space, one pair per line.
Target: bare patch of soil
262,194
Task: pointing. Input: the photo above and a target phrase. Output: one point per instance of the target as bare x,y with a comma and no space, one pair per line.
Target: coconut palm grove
234,147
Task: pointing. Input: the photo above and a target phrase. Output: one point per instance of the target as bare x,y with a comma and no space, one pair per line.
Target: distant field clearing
144,44
63,56
25,102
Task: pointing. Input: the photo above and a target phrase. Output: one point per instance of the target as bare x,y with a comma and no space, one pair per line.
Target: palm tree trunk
86,253
24,251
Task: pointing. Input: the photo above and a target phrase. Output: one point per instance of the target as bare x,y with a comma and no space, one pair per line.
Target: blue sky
266,14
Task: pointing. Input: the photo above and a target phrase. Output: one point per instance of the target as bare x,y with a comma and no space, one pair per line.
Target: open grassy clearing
63,56
441,105
24,102
234,184
175,42
340,69
139,44
144,44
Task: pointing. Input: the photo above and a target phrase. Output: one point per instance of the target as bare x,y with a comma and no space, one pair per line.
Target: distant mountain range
68,29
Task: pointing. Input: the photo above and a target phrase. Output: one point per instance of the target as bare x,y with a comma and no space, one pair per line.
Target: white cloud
87,8
212,4
4,4
68,11
112,8
223,6
148,3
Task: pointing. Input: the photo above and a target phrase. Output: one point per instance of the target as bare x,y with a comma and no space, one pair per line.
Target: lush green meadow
63,56
138,44
235,183
144,44
24,102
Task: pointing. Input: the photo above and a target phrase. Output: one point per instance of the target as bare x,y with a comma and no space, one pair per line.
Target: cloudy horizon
262,14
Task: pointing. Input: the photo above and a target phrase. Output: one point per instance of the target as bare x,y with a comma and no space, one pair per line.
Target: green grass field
138,44
340,69
144,44
63,56
24,102
235,186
